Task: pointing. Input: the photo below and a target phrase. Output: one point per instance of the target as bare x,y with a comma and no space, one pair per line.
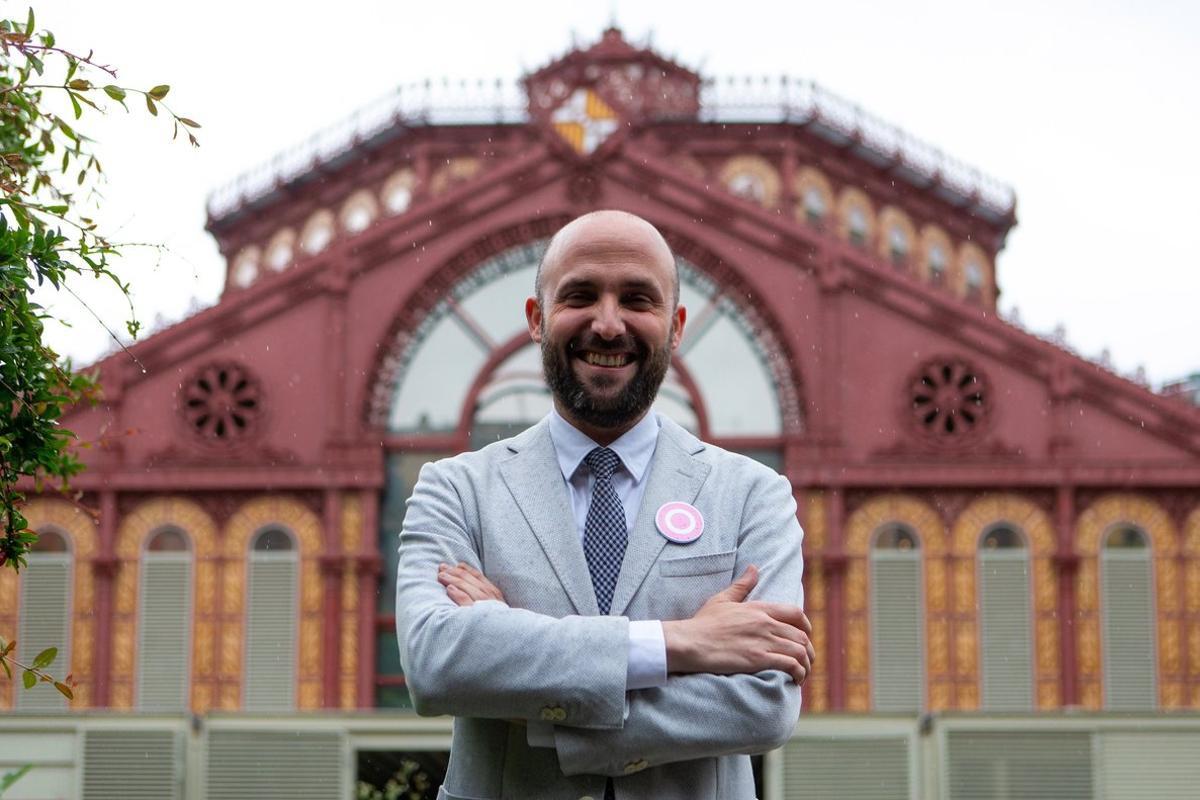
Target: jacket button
547,714
560,714
635,766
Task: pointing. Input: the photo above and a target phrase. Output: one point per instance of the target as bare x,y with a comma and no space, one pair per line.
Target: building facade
995,527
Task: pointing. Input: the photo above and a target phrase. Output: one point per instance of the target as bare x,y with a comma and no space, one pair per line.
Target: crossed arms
734,666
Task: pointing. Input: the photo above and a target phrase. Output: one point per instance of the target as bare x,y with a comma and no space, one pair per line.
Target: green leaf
115,92
29,679
151,107
75,105
45,658
80,84
191,123
29,23
10,778
159,92
7,671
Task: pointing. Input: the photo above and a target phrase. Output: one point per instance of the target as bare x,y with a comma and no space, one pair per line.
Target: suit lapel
674,475
535,480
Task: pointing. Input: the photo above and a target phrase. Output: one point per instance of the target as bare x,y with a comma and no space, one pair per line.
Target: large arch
148,518
917,515
489,256
1152,519
1020,512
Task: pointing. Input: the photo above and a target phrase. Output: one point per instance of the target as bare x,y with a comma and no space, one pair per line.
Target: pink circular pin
679,522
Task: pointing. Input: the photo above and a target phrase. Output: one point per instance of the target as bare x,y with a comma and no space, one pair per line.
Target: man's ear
533,318
680,319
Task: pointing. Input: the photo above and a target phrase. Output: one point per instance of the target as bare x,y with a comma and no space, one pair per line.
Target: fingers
459,596
790,615
469,581
737,591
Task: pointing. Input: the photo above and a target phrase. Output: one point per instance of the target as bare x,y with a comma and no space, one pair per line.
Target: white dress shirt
647,665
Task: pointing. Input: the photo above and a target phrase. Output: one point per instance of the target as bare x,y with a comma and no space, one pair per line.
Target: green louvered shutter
820,768
1130,665
1005,630
275,765
45,621
164,631
132,765
1150,765
897,640
1019,765
271,613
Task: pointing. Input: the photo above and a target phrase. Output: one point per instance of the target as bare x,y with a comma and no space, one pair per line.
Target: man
567,594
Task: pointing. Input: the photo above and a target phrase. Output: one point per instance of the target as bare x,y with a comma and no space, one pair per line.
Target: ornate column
104,569
834,565
331,580
1067,562
368,581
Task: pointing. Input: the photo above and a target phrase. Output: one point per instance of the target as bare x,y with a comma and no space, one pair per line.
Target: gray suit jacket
548,655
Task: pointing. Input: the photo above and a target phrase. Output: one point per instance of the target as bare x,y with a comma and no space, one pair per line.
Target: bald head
608,232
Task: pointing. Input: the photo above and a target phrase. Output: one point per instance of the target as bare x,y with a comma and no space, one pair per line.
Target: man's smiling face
607,320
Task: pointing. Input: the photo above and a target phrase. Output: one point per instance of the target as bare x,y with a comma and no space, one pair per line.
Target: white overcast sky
1088,109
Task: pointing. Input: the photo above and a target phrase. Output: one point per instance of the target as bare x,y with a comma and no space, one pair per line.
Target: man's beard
603,412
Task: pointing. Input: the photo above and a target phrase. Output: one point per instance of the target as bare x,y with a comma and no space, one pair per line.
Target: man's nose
607,322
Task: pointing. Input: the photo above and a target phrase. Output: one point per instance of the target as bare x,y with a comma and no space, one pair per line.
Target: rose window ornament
950,400
221,403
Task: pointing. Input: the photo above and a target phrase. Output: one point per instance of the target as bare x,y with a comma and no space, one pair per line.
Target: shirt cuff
539,734
647,655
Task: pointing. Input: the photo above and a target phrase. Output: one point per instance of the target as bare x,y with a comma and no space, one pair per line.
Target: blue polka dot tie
604,534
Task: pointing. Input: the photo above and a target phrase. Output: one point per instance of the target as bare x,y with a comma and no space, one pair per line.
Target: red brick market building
993,523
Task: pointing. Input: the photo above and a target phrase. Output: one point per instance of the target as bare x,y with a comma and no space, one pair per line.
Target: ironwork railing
766,100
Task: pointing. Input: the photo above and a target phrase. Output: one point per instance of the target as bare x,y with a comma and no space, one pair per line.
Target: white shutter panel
274,765
897,643
846,769
45,621
1006,625
271,631
1019,765
1150,765
1130,666
164,631
131,765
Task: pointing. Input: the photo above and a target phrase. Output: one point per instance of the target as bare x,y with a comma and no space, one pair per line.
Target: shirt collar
635,447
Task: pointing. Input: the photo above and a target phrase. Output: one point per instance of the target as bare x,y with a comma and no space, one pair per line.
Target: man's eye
639,301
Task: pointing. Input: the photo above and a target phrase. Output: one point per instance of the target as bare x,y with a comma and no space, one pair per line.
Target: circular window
949,399
221,403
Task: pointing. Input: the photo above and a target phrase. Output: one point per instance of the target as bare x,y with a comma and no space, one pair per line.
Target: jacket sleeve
703,715
489,660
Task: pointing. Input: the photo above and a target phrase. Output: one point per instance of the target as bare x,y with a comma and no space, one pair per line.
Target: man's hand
729,636
466,585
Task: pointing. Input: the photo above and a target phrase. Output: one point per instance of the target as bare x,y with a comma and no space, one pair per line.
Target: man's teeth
607,360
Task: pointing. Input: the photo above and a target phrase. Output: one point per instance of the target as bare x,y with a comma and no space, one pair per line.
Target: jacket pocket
707,564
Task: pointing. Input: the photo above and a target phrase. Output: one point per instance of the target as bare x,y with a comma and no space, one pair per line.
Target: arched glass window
937,264
468,348
272,589
1005,621
1127,615
897,621
45,616
165,622
857,225
898,244
815,204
